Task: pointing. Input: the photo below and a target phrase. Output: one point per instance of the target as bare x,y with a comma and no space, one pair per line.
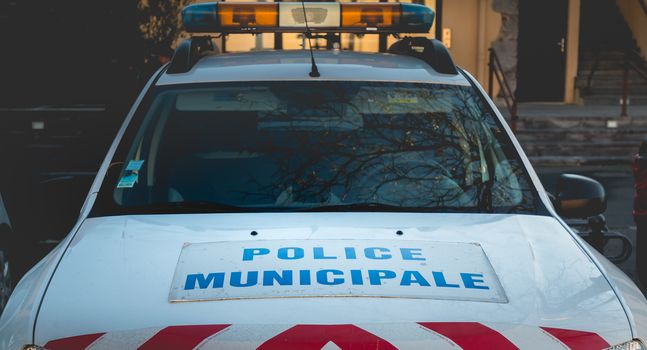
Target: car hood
328,280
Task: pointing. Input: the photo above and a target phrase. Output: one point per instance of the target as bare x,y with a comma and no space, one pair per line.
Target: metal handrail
495,69
596,63
633,60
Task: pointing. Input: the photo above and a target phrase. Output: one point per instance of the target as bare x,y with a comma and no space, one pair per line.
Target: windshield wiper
214,207
382,207
187,207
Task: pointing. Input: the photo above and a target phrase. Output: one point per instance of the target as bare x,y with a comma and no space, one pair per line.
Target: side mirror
579,197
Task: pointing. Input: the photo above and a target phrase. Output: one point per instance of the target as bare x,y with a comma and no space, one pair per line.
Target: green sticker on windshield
134,165
128,181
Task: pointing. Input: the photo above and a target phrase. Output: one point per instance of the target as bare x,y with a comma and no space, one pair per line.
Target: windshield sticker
335,268
403,99
134,165
128,181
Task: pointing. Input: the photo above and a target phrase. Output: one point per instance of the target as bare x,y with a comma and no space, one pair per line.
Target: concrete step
609,74
635,91
580,148
546,124
634,82
539,161
605,100
564,135
603,56
613,88
633,135
634,78
588,65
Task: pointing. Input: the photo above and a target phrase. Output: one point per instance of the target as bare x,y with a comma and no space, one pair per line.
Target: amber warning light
220,17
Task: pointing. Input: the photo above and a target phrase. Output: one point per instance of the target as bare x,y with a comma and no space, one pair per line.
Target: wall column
505,44
572,50
481,62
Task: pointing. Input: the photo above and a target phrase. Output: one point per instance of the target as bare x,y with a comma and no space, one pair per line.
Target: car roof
295,65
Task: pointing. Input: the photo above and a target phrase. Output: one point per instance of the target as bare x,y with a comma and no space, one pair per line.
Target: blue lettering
323,277
411,254
283,279
356,277
409,277
215,279
319,253
439,278
304,277
470,280
371,253
350,253
376,276
284,253
236,279
249,253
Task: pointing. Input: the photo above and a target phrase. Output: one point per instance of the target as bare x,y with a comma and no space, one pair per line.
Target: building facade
548,49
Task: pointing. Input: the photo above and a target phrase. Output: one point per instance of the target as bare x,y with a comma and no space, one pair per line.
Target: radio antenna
314,72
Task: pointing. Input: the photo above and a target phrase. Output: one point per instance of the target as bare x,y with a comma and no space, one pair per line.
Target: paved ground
618,182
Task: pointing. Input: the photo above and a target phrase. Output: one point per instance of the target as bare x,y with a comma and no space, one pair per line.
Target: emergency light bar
227,17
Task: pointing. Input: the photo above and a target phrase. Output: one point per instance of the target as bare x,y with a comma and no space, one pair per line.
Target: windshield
316,146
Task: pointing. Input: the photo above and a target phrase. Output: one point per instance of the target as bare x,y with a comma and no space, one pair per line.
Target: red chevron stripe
467,335
471,335
578,340
181,337
73,343
314,337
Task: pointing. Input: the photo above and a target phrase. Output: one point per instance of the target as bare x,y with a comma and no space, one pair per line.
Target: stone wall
505,44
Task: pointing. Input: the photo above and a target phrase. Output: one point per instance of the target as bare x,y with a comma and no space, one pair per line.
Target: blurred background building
550,50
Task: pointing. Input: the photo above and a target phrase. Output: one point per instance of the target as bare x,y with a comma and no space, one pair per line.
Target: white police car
273,200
